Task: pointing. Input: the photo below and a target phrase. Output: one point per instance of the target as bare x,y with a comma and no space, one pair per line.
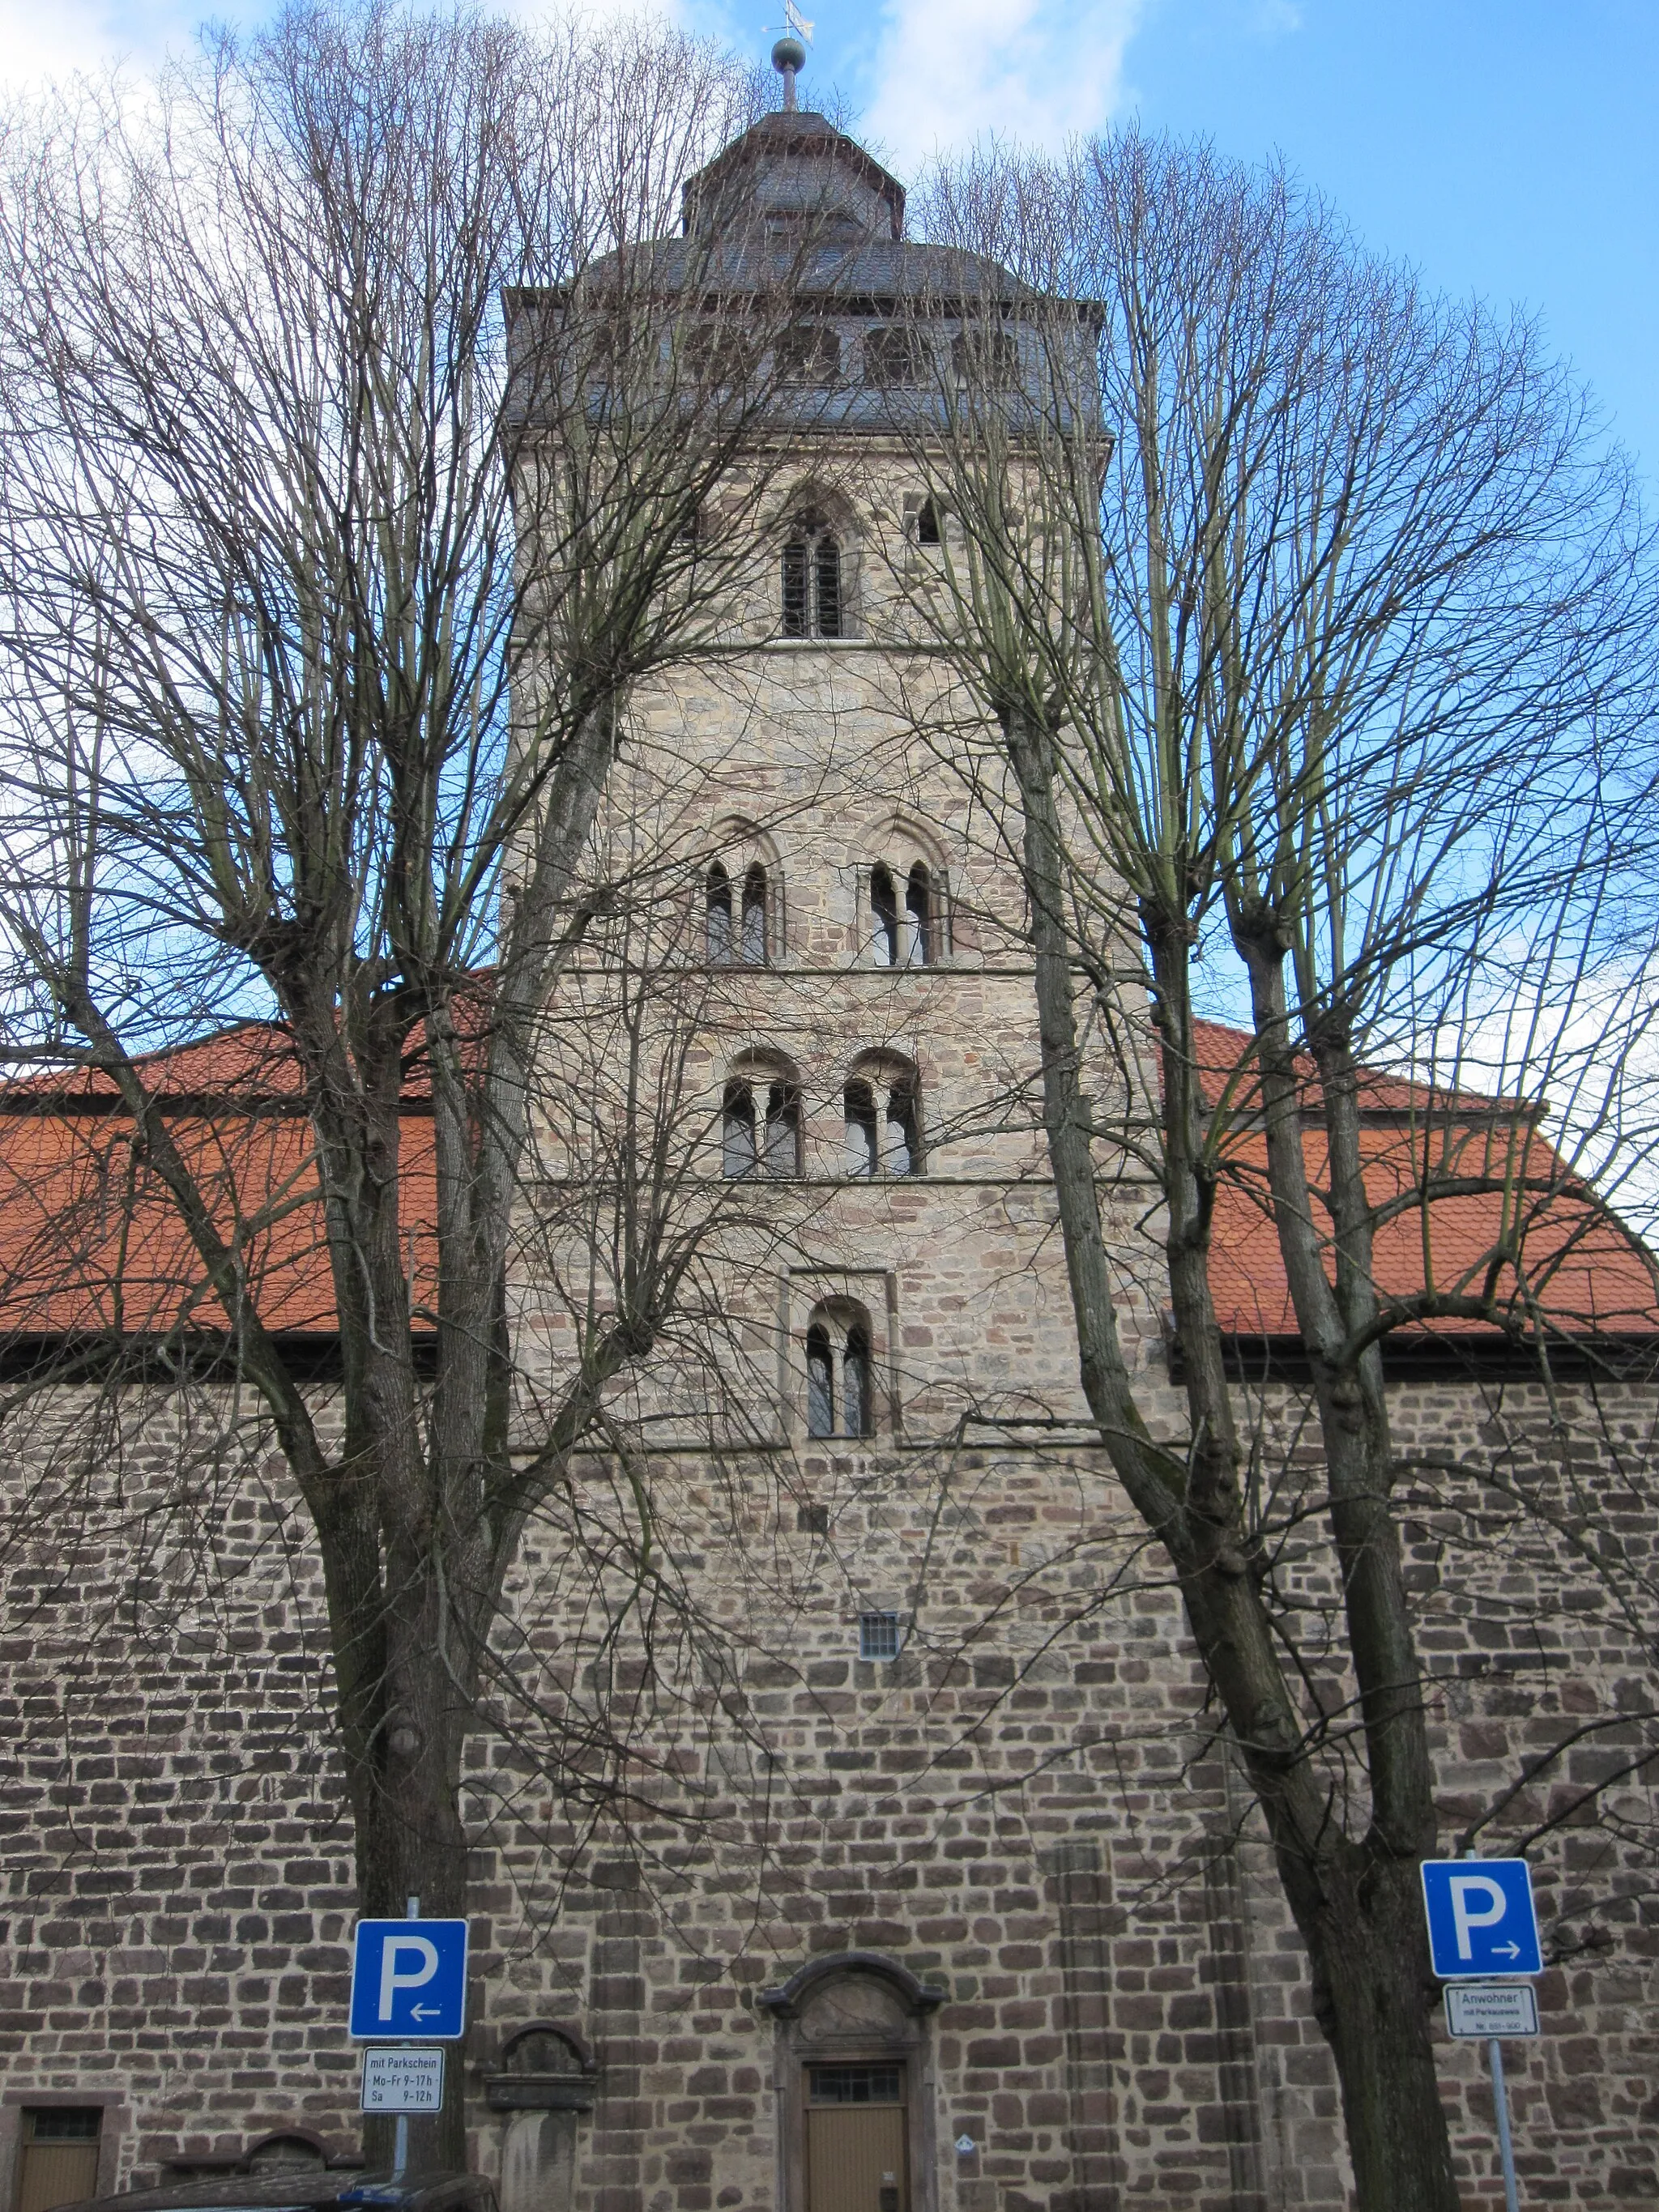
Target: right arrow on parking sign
1482,1921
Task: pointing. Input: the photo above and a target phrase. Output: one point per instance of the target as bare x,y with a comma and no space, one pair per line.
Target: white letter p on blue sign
425,1954
1465,1889
1481,1918
409,1981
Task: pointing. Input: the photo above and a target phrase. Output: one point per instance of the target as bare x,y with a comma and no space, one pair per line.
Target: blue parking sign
409,1980
1481,1920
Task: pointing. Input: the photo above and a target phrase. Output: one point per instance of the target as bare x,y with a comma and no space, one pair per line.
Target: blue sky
1508,148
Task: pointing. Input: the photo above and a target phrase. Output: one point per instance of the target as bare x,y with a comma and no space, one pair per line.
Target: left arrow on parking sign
409,1978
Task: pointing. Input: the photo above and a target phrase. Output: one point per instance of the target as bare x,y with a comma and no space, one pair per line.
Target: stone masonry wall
1025,1811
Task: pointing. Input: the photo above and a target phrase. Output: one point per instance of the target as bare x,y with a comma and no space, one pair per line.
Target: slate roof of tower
847,209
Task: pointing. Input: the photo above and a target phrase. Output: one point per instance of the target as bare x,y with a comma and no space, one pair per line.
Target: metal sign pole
400,2138
1500,2097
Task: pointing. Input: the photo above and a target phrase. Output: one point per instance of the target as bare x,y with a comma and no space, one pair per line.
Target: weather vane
790,52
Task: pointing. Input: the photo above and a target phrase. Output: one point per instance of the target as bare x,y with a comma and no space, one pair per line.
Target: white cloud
1038,70
52,43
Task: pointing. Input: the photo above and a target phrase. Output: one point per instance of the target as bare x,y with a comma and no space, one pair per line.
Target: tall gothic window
812,595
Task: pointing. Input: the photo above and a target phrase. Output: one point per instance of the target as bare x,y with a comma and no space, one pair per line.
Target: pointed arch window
813,595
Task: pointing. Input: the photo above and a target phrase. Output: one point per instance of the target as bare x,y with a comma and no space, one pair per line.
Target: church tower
889,1925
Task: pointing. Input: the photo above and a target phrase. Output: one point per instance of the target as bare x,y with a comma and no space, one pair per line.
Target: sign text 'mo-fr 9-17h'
409,1980
1481,1920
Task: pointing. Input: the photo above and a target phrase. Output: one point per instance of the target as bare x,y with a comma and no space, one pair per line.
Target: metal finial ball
788,54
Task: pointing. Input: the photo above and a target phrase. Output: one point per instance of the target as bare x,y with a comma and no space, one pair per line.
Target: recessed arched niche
856,2085
543,2081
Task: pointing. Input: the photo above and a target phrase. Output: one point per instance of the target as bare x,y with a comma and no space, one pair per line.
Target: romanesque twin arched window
881,1109
738,917
904,924
761,1128
840,1371
761,1120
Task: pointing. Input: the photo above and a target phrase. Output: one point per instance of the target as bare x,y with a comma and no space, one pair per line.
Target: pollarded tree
1309,615
365,453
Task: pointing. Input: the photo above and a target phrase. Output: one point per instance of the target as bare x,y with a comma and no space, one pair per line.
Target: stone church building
899,1865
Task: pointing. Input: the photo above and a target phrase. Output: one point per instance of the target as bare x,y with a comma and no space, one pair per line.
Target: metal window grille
878,1636
856,2085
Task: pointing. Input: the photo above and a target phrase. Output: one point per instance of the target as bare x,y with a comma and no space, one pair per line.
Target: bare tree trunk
1357,1906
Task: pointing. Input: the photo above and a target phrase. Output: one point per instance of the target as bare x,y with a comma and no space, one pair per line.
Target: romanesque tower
921,1909
850,1827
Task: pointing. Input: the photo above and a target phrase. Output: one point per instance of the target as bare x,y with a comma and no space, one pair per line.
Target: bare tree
370,442
1311,618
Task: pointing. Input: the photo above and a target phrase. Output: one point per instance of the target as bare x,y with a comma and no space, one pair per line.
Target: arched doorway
855,2085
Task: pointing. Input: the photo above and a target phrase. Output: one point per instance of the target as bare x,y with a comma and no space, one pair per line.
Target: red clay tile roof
1581,1268
90,1241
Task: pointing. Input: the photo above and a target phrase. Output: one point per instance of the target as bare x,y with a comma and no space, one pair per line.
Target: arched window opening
900,1145
857,1410
840,1371
808,354
820,1382
753,939
737,1156
884,925
717,905
919,949
987,359
813,599
796,609
897,358
883,1124
863,1147
760,1132
927,529
782,1155
828,568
